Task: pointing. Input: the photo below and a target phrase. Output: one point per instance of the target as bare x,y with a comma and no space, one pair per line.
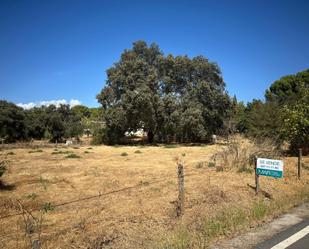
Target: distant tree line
172,99
283,116
45,122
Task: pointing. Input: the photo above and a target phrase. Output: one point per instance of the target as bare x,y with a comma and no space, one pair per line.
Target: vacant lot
56,180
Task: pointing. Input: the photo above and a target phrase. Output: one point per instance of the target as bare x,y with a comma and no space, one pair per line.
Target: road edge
264,232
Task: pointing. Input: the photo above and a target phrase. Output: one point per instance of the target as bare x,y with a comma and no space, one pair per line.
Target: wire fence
86,198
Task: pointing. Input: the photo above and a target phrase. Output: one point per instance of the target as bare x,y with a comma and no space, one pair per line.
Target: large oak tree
171,98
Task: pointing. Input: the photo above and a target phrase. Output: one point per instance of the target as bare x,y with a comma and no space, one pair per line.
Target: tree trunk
150,137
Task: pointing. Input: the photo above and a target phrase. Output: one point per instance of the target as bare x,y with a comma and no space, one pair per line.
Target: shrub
86,152
47,207
32,196
199,165
124,154
35,151
3,167
138,152
240,152
211,165
61,152
99,137
11,153
72,155
170,146
219,168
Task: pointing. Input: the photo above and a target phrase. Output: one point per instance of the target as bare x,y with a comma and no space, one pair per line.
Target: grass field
139,217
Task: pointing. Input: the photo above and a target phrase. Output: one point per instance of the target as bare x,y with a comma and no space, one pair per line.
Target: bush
138,152
211,164
2,169
72,155
35,151
61,152
199,165
124,154
240,152
98,137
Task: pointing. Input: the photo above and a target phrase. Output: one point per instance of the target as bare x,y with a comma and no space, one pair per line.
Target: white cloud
57,103
26,106
74,102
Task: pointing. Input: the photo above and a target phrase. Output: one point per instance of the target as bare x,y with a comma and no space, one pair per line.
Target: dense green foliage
171,98
12,122
284,116
296,122
50,122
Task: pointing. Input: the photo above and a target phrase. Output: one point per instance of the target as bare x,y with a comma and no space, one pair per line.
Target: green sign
268,167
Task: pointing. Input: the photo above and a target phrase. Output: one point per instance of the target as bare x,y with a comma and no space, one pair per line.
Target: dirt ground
132,218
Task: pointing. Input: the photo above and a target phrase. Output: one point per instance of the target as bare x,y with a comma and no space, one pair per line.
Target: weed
43,182
124,154
138,152
239,153
183,154
304,166
32,196
75,147
199,165
259,210
35,151
155,189
2,168
47,207
81,224
170,146
180,240
86,152
90,148
29,225
72,155
61,152
245,169
145,183
211,165
224,222
219,168
171,182
11,153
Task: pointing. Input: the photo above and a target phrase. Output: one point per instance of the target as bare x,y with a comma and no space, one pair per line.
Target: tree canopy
284,115
171,98
51,122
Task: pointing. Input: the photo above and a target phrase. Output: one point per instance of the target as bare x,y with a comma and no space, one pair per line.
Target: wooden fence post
36,244
180,204
257,177
299,163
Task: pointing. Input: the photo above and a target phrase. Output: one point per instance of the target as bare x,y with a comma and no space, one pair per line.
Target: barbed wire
86,198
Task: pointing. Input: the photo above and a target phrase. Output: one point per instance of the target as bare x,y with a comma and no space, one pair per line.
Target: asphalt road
275,234
295,237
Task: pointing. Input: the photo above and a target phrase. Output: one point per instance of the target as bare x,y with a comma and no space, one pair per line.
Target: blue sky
60,49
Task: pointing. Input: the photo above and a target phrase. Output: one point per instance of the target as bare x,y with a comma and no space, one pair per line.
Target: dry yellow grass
134,218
